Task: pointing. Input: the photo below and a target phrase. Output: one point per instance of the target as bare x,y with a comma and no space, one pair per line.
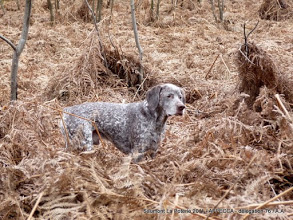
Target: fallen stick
206,77
283,107
35,206
225,64
269,204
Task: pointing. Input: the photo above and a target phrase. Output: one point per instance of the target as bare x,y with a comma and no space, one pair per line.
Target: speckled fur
133,127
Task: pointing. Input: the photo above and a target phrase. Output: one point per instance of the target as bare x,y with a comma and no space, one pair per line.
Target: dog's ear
153,97
183,96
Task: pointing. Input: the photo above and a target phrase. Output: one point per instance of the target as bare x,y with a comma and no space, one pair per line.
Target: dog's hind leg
87,136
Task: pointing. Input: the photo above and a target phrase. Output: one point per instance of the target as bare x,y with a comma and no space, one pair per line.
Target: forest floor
224,158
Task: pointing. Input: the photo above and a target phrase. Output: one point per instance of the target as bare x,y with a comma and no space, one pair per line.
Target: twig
138,89
206,77
225,64
269,204
93,122
98,33
35,206
228,191
65,129
245,56
97,130
245,40
246,37
95,20
136,39
252,29
283,107
270,200
9,42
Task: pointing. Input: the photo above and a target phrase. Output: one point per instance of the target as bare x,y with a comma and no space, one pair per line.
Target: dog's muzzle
180,110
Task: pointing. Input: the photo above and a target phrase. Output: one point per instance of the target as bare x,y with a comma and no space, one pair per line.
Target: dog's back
122,124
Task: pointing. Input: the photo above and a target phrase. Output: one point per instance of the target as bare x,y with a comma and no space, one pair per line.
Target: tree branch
137,40
25,27
9,42
98,33
135,30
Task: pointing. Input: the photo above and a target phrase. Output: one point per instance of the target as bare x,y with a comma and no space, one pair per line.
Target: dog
133,127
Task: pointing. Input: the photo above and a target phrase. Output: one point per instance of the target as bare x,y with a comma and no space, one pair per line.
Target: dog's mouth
178,113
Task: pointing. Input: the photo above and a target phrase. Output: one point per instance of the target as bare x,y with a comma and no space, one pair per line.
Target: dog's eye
170,96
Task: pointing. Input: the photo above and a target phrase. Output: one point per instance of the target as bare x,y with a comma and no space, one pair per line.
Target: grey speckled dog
133,127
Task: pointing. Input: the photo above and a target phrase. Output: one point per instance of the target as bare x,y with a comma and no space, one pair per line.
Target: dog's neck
158,114
161,118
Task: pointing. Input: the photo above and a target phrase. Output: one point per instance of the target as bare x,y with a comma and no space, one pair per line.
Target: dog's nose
181,107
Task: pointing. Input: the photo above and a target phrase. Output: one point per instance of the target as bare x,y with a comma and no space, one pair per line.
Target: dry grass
276,9
203,160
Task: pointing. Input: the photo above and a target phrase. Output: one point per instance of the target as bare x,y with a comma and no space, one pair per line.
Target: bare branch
94,19
245,42
252,29
246,37
25,27
206,77
245,56
98,33
9,42
135,30
136,39
2,6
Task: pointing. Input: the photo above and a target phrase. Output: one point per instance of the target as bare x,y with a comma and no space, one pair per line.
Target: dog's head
167,97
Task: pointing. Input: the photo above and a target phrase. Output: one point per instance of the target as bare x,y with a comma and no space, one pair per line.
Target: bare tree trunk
136,39
158,9
93,6
2,6
18,5
221,9
99,9
152,10
50,6
213,10
19,49
112,4
58,4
